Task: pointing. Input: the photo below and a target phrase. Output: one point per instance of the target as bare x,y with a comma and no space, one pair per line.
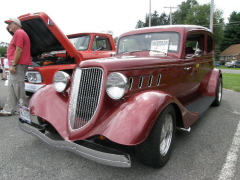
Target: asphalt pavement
210,151
230,70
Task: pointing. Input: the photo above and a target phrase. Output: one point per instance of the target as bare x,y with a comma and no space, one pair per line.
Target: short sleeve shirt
20,39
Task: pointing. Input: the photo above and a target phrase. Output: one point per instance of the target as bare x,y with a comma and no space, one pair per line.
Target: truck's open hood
44,35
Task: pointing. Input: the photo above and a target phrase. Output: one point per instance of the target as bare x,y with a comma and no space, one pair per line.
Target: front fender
130,122
52,106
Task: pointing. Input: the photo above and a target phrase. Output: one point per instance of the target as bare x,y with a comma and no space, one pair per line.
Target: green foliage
3,51
231,32
178,17
156,20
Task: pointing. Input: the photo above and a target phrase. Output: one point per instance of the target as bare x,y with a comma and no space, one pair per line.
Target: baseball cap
15,20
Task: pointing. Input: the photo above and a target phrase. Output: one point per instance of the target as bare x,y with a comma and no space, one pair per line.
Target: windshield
143,42
81,42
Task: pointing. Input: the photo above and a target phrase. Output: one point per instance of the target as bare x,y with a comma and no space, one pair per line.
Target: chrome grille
85,95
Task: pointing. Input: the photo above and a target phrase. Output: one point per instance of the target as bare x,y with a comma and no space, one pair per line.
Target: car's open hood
44,35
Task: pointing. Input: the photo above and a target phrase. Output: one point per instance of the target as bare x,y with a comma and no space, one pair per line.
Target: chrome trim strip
150,81
140,82
159,79
110,159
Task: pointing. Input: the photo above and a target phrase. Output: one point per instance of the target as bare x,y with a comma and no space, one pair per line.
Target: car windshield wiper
133,51
154,50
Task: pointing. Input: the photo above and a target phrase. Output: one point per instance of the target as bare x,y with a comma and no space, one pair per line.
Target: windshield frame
138,45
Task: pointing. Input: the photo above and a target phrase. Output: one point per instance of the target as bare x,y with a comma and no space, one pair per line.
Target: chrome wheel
166,135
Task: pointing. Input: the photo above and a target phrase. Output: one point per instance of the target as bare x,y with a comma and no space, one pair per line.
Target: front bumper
86,149
32,87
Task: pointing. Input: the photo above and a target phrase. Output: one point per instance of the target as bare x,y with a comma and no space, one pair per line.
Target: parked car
162,79
237,65
53,51
231,64
217,63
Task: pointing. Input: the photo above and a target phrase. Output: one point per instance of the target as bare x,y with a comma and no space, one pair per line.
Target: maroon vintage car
161,80
53,51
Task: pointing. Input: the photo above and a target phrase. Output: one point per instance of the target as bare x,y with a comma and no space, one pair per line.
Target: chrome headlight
61,81
117,85
34,77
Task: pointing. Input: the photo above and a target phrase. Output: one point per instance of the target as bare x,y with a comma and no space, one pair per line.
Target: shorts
1,71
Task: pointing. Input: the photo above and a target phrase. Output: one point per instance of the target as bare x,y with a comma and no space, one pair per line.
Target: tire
155,151
49,127
218,97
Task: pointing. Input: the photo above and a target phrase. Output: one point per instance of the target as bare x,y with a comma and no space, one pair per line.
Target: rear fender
213,82
130,122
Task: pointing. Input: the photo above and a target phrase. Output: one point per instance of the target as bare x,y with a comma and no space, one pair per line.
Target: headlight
117,85
34,77
61,81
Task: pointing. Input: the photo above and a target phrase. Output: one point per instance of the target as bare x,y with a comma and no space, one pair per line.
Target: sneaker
5,113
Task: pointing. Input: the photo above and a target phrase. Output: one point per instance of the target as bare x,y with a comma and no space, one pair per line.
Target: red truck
162,79
53,51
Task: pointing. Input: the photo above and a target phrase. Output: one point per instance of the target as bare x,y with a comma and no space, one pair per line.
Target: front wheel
155,151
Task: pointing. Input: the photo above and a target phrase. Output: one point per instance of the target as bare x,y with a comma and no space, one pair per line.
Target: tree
180,14
3,51
156,20
231,31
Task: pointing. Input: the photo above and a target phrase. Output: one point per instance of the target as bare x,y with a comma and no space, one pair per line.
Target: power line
170,13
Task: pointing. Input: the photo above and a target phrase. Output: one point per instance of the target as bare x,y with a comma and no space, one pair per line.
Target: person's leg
19,87
16,90
11,99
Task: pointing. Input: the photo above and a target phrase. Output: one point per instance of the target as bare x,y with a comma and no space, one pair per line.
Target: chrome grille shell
85,95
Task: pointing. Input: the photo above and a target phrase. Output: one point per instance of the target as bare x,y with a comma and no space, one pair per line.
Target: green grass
231,81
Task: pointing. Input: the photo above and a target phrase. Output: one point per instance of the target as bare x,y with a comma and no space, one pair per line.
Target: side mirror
198,53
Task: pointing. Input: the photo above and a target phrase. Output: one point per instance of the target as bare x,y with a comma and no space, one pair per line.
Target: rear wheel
155,151
218,98
49,127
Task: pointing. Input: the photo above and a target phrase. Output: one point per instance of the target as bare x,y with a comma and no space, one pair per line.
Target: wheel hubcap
166,134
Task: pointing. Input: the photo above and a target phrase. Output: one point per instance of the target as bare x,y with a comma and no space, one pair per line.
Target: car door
101,47
195,67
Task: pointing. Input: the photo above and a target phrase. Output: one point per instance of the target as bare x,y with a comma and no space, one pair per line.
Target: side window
209,44
101,43
194,41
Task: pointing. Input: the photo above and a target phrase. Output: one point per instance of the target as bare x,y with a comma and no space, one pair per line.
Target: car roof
175,28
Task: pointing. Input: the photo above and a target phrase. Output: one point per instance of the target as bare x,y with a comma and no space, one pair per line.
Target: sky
118,16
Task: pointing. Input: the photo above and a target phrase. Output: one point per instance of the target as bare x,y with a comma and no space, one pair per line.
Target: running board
201,105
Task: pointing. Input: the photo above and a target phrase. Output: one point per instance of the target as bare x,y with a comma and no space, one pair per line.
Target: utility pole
170,13
149,13
211,15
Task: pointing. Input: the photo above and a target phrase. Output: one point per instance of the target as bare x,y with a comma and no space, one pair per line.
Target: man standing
19,58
